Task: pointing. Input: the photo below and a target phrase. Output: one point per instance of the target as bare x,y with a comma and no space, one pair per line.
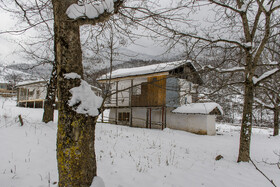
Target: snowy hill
7,74
40,72
95,63
135,157
95,66
124,55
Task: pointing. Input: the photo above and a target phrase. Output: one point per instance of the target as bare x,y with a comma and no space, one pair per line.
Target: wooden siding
153,92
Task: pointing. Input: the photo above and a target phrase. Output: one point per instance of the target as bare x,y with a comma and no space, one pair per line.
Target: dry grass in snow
135,157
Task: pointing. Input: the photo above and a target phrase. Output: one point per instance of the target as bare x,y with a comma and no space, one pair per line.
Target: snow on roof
198,108
144,70
23,83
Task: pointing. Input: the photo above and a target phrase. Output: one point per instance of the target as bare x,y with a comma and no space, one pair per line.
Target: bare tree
243,25
76,132
13,78
75,137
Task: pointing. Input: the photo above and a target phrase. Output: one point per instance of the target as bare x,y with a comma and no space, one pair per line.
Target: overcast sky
9,48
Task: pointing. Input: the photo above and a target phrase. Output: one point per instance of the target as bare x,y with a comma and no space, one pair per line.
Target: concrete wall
211,125
195,123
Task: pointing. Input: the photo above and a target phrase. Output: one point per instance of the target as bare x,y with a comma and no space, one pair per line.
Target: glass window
123,116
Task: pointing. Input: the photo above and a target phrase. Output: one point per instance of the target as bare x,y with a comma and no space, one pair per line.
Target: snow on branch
263,104
85,99
265,75
91,9
229,70
272,62
72,76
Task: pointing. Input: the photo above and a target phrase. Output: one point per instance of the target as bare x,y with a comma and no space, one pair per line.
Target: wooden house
147,96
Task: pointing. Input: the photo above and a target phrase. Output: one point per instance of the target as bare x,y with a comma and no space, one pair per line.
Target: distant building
153,96
31,94
4,86
5,89
8,79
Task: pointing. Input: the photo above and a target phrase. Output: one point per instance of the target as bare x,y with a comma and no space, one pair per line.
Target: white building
151,96
31,93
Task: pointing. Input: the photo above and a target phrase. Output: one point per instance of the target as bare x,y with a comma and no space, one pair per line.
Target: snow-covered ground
135,157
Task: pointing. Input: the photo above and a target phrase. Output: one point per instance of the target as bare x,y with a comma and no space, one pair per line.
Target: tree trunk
50,97
75,134
276,122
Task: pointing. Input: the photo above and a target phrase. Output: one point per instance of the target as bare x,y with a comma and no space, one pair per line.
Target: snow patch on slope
134,157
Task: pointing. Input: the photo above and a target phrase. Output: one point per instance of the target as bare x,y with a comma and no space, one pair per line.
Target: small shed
198,118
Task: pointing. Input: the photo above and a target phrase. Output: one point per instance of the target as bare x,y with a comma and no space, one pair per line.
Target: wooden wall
153,92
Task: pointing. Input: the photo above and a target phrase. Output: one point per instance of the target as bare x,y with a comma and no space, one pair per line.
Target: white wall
139,116
211,124
196,123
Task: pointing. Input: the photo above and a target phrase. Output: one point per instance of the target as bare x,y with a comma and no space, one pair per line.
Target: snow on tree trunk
50,97
76,132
